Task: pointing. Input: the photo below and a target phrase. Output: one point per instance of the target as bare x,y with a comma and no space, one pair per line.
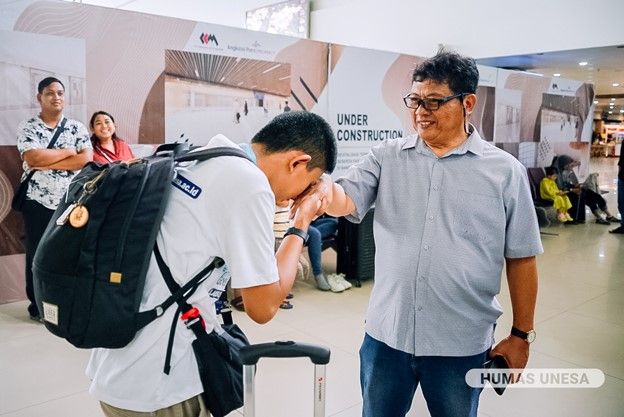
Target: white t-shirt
225,210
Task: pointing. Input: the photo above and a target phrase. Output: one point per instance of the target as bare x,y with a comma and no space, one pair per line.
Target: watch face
531,336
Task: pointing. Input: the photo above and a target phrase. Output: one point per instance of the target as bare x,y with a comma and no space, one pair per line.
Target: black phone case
497,362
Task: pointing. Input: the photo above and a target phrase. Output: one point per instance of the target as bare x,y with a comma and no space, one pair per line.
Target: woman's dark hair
46,82
459,72
304,131
550,171
94,139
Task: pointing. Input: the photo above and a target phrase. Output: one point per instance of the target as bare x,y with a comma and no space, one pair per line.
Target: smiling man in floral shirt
54,167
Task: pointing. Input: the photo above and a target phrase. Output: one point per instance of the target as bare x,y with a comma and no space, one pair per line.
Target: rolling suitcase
250,355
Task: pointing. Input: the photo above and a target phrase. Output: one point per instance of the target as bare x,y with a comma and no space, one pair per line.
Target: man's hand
322,189
515,351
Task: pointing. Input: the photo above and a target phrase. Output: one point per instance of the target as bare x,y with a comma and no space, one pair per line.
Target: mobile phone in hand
499,379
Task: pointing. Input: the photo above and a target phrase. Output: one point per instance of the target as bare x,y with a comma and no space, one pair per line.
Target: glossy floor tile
579,322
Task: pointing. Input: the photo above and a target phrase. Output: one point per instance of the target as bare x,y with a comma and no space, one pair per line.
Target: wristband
298,232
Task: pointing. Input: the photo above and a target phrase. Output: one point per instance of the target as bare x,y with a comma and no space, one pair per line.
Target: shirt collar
250,153
473,144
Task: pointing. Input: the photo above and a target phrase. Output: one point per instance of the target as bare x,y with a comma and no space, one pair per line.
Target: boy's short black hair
550,171
459,72
304,131
46,82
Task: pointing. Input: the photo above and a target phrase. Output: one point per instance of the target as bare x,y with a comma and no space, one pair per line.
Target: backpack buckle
191,317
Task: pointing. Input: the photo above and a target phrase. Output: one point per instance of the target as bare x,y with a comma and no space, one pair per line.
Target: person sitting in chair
550,191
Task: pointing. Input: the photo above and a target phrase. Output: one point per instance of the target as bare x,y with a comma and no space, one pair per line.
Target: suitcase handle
319,355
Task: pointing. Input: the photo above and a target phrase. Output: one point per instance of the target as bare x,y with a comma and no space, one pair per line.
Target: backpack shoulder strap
212,153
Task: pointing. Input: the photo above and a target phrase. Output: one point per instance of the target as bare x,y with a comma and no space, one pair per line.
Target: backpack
90,266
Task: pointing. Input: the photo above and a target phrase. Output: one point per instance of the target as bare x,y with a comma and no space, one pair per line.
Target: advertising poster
365,95
21,69
189,80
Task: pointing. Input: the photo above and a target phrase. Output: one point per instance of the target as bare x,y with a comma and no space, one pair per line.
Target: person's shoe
600,220
613,219
341,279
569,218
321,282
562,217
334,283
618,231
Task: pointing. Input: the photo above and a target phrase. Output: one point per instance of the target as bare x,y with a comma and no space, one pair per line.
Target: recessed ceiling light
557,75
622,111
612,99
582,64
595,101
616,84
610,112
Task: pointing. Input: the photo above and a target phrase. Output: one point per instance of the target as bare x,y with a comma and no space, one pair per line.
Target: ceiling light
622,111
582,64
610,112
595,101
616,84
612,99
557,75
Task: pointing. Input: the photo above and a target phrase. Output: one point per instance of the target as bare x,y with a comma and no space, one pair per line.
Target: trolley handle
319,355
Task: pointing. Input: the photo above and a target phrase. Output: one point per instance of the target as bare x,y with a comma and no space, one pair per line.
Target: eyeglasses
414,102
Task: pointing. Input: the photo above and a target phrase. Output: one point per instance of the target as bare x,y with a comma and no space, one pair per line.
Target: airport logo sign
206,38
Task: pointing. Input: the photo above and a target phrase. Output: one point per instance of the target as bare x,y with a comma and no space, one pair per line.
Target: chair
542,207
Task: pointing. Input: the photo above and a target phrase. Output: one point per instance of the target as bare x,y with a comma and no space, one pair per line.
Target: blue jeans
389,379
319,229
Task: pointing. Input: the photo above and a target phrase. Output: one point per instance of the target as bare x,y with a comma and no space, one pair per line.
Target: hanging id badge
223,277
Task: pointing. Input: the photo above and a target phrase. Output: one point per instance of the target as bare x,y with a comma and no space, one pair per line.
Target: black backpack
90,266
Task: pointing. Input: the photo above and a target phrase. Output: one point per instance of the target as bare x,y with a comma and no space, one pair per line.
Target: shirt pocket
478,217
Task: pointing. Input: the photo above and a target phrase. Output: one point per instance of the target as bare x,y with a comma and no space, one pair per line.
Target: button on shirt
443,227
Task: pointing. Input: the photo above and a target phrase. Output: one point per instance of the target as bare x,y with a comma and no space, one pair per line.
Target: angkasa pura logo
206,38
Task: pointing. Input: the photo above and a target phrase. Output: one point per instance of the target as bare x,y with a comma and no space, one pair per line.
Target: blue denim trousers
389,379
319,229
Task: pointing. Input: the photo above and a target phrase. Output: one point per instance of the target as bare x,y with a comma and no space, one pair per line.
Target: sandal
290,296
286,305
237,303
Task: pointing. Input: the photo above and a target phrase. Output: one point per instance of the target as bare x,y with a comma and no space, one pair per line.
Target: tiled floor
579,321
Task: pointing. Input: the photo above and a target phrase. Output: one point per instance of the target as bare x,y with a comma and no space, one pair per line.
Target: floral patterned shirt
47,187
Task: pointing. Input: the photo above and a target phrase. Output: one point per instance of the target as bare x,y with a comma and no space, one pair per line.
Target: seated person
550,191
592,198
575,194
320,229
107,147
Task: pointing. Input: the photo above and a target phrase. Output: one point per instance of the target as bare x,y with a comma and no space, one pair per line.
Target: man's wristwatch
298,232
528,337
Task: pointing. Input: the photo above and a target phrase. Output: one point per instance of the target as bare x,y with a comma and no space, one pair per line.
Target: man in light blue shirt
450,211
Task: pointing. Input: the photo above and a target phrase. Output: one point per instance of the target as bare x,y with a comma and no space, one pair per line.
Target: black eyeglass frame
439,101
